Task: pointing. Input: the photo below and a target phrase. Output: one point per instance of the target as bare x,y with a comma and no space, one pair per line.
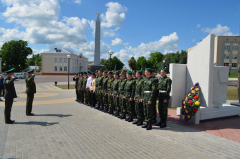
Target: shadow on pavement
57,115
37,123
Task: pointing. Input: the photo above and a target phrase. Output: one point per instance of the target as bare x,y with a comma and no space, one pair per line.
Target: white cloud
198,25
40,20
219,30
118,41
193,40
77,1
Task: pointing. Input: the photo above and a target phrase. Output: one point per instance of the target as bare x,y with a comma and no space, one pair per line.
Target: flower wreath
190,104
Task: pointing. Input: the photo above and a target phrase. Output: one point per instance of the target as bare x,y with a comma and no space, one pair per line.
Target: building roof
62,51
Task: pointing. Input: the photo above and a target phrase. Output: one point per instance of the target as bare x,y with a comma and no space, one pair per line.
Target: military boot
135,122
154,121
164,124
106,109
140,122
120,115
160,123
130,118
123,116
117,113
127,118
110,111
149,127
145,126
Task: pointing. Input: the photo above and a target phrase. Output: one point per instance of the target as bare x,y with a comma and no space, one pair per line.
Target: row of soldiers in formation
127,95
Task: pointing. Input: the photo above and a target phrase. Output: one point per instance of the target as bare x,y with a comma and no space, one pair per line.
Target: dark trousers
29,103
94,101
8,108
77,96
2,90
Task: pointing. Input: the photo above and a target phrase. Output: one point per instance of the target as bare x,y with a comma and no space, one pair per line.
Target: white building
55,62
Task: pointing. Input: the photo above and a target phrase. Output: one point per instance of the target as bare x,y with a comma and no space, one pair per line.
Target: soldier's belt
147,91
161,91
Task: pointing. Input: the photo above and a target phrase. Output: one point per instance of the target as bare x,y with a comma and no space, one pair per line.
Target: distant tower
97,41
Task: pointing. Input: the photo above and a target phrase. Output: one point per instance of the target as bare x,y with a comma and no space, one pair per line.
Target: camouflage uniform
154,79
115,93
80,89
110,91
84,90
105,90
122,101
96,88
100,94
164,84
148,94
129,93
138,94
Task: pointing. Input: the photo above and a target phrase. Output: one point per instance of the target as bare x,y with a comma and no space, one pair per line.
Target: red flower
196,97
194,110
190,102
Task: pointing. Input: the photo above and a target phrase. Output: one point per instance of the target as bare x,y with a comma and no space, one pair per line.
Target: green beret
80,73
149,69
93,73
32,70
9,71
129,72
164,69
84,73
89,72
100,70
110,72
105,71
139,71
116,73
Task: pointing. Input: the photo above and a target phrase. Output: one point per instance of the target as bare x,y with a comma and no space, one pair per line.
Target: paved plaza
63,128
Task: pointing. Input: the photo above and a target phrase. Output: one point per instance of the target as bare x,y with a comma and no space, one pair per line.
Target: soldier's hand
149,102
131,99
123,96
165,101
140,100
117,96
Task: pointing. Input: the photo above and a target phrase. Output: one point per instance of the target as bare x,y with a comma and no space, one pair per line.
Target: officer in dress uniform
88,85
30,91
129,96
76,78
164,89
10,94
148,94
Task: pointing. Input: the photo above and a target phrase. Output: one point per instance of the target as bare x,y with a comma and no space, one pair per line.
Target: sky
128,27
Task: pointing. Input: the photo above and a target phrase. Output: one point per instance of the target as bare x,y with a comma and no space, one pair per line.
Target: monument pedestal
96,67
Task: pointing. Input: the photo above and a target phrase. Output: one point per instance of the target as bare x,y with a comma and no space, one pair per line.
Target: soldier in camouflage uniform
96,88
84,87
100,95
88,85
80,89
122,101
129,96
30,91
164,89
154,79
105,91
148,94
116,93
137,98
110,92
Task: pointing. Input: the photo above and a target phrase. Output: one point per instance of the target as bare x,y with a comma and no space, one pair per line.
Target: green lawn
71,86
232,93
233,75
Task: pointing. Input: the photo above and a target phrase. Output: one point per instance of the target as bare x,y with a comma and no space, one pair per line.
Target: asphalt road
47,79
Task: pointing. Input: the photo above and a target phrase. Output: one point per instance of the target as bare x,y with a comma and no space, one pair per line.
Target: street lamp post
68,56
110,53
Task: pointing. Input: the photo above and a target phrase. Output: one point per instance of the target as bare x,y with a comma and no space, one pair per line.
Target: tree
37,58
183,57
102,61
115,62
168,60
154,59
176,57
141,62
14,54
132,63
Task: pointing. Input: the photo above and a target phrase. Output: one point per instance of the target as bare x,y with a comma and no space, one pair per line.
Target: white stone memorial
212,81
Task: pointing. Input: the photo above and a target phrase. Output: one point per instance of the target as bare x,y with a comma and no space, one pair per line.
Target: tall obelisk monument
97,64
97,41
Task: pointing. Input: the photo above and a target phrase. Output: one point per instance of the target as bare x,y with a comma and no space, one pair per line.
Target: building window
227,47
65,68
65,60
60,60
226,64
55,60
226,56
234,64
60,68
235,47
55,68
234,56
